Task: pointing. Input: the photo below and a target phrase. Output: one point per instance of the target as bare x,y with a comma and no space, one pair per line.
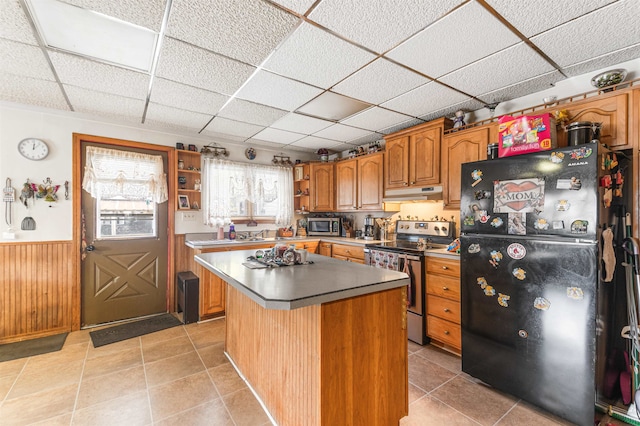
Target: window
122,218
235,191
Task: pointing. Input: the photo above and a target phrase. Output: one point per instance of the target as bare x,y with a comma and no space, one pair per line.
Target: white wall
54,220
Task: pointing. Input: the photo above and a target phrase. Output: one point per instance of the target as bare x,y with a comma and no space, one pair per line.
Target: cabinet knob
447,310
413,182
447,332
445,267
445,288
405,184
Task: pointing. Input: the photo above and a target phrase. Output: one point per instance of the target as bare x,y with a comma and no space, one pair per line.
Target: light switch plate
188,217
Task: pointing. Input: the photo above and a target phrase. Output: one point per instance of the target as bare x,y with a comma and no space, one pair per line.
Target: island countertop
290,287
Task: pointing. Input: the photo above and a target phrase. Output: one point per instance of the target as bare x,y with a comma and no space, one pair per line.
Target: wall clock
33,149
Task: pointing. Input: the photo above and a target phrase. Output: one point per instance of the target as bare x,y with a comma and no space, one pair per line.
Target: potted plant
324,154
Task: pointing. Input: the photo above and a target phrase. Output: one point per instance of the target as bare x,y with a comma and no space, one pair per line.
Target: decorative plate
250,153
609,78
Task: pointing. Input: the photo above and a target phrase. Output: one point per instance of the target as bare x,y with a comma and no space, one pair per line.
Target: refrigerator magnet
581,153
503,300
476,175
575,293
497,222
496,257
523,334
482,282
489,291
469,221
579,226
541,303
516,251
541,224
557,157
563,205
481,195
474,248
516,224
572,183
519,273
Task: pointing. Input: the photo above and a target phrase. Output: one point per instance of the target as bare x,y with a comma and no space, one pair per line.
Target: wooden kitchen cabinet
188,172
458,148
301,181
348,253
324,248
359,183
443,301
413,155
321,187
212,294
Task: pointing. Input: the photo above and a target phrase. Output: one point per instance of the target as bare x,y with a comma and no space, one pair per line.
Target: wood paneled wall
36,285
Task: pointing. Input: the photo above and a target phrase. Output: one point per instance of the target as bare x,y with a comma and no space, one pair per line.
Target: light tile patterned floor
181,376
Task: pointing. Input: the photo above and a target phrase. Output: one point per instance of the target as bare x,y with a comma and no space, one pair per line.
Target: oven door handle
407,268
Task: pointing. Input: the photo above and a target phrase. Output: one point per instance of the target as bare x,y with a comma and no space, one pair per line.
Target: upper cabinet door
321,190
370,177
424,157
397,163
346,185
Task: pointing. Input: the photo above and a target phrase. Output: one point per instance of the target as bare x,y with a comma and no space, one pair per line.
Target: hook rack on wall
216,151
282,160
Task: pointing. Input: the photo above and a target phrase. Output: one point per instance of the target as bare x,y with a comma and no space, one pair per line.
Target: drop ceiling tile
277,91
534,17
596,32
279,136
314,56
298,6
424,99
379,81
401,126
380,24
96,76
24,59
265,144
523,88
232,127
181,96
105,104
449,111
499,70
314,143
175,118
14,24
376,118
223,137
197,67
246,111
246,30
604,61
342,133
425,51
332,106
301,123
147,13
365,140
31,91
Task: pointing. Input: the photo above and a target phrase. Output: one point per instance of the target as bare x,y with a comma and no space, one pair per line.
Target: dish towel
407,270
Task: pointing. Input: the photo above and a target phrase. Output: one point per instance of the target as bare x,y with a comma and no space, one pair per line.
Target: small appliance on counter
370,228
327,226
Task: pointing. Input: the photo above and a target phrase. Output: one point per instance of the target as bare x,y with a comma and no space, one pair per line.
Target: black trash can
188,296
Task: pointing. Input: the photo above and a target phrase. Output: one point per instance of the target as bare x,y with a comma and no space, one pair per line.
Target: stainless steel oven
406,254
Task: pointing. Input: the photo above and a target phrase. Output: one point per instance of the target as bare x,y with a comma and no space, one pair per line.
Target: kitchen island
320,344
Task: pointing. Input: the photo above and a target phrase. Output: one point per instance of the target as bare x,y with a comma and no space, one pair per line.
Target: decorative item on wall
458,121
33,149
193,148
282,160
47,190
216,151
250,153
66,189
196,186
9,196
609,78
182,180
28,224
183,202
27,194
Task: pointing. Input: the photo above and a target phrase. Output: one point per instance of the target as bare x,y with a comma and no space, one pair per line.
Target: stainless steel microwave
329,226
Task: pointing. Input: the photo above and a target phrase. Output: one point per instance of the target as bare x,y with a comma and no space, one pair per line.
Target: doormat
130,330
27,348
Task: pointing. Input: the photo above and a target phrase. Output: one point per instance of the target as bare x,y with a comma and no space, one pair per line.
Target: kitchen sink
211,242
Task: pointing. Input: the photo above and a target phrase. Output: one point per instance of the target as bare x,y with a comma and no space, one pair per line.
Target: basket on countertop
285,232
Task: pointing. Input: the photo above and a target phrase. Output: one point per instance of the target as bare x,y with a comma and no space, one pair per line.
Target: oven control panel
426,228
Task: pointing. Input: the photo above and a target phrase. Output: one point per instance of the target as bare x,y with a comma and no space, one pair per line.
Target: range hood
426,193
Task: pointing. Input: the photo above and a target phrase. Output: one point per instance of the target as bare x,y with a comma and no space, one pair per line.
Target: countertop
200,244
291,287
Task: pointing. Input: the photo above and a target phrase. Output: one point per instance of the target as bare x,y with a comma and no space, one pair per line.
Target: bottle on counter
232,231
221,232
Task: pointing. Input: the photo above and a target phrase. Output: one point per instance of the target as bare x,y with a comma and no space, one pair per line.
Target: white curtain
110,173
255,183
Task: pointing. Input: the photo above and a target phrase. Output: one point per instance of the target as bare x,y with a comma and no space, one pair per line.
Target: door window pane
121,219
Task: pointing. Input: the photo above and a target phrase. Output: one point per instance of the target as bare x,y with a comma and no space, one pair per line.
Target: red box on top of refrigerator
525,134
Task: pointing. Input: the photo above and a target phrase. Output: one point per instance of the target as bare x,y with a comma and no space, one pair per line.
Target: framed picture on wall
183,202
193,148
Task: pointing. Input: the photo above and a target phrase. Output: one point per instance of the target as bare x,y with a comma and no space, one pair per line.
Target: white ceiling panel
247,30
523,88
597,34
379,24
314,143
469,105
277,91
31,91
24,59
471,22
401,126
301,123
14,24
99,77
342,133
147,13
316,57
376,119
175,118
498,70
250,112
278,136
170,93
429,97
232,127
197,67
365,140
298,6
605,61
104,104
535,17
380,81
224,137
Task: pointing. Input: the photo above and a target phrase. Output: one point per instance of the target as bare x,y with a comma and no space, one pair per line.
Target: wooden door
424,158
346,188
458,148
397,163
321,187
124,274
370,185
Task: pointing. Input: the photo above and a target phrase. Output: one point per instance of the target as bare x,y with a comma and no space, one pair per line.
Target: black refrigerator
533,296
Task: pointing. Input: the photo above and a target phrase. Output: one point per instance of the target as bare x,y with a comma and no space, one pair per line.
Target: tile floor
181,376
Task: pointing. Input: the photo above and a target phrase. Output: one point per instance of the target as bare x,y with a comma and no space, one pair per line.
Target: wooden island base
338,363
